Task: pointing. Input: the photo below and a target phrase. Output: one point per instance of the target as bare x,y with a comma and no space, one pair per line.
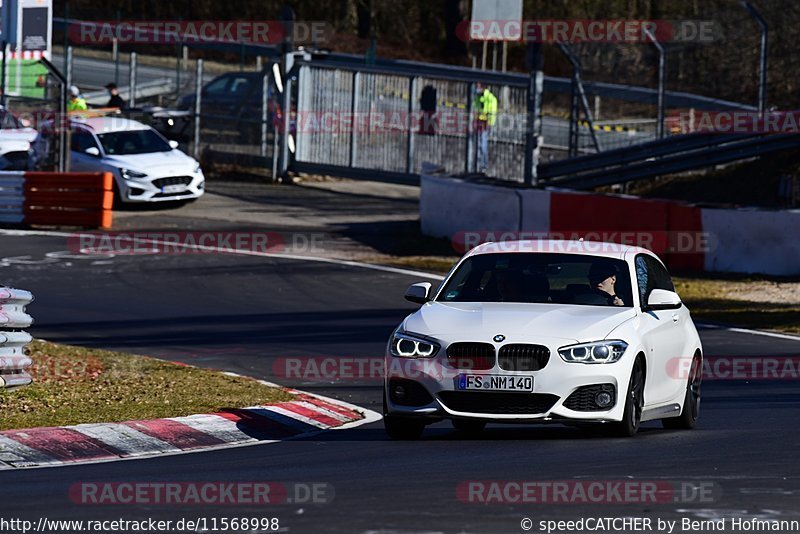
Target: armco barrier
56,199
723,240
14,363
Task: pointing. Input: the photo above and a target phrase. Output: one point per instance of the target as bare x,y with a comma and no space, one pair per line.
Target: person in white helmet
76,101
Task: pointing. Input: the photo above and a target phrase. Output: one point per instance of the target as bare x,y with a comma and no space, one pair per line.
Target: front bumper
553,399
162,188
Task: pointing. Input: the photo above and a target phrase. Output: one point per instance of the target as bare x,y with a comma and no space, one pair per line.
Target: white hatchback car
572,332
146,167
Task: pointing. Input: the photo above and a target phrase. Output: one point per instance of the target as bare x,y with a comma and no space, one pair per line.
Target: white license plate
173,188
494,383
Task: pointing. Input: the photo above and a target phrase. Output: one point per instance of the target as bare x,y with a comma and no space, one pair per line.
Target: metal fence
362,120
342,114
14,363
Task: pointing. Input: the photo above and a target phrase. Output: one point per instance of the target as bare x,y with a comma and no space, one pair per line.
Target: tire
467,426
634,402
687,420
401,428
118,202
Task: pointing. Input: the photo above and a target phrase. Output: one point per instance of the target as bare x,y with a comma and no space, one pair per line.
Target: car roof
560,246
101,125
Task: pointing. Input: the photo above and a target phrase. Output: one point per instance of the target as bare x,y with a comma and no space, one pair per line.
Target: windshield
540,278
133,142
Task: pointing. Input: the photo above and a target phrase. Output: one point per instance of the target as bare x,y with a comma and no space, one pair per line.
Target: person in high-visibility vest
76,101
486,108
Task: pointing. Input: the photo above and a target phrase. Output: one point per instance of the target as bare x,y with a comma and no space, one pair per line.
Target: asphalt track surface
243,313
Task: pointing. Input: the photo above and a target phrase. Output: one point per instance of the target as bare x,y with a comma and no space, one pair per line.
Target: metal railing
14,363
356,119
665,156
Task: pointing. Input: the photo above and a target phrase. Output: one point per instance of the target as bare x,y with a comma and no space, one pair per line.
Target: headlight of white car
595,352
197,170
409,346
132,175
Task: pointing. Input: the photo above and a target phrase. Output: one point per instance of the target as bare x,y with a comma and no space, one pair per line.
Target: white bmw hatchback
572,332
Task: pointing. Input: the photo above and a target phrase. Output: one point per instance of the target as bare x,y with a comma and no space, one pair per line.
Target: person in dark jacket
115,101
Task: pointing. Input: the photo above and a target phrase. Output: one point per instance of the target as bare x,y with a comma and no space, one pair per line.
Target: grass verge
764,303
74,385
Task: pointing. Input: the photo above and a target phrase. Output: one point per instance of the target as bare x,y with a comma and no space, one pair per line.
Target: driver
602,278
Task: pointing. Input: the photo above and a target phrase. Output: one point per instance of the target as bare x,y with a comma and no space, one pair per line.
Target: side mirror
419,293
93,151
173,144
661,299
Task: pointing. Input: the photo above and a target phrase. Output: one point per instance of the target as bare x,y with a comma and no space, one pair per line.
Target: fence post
288,62
412,86
578,98
68,72
115,58
3,75
198,94
353,122
661,82
132,81
533,124
468,150
762,58
264,113
178,72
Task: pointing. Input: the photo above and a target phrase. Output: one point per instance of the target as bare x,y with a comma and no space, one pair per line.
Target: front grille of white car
173,180
523,357
497,402
471,355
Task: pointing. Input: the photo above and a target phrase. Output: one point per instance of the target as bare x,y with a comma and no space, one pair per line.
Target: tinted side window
240,86
661,277
643,279
650,275
218,86
81,140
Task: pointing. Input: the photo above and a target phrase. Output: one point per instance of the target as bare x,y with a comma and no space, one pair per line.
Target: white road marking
15,452
292,415
349,263
125,439
215,426
778,335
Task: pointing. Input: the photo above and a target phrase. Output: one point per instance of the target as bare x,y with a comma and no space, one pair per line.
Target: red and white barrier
14,363
685,236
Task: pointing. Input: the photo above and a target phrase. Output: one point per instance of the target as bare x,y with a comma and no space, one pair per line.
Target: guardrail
56,199
676,154
14,363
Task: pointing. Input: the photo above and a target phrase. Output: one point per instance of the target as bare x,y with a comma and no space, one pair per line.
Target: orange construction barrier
69,199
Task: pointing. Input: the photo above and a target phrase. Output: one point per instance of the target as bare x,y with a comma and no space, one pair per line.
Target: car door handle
675,317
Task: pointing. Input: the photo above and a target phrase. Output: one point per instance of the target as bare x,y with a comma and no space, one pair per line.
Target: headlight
132,175
198,170
595,352
410,346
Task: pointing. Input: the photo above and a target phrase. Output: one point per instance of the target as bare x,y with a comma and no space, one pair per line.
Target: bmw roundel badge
498,338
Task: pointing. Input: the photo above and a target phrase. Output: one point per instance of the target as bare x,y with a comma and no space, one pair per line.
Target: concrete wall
739,240
753,241
449,206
